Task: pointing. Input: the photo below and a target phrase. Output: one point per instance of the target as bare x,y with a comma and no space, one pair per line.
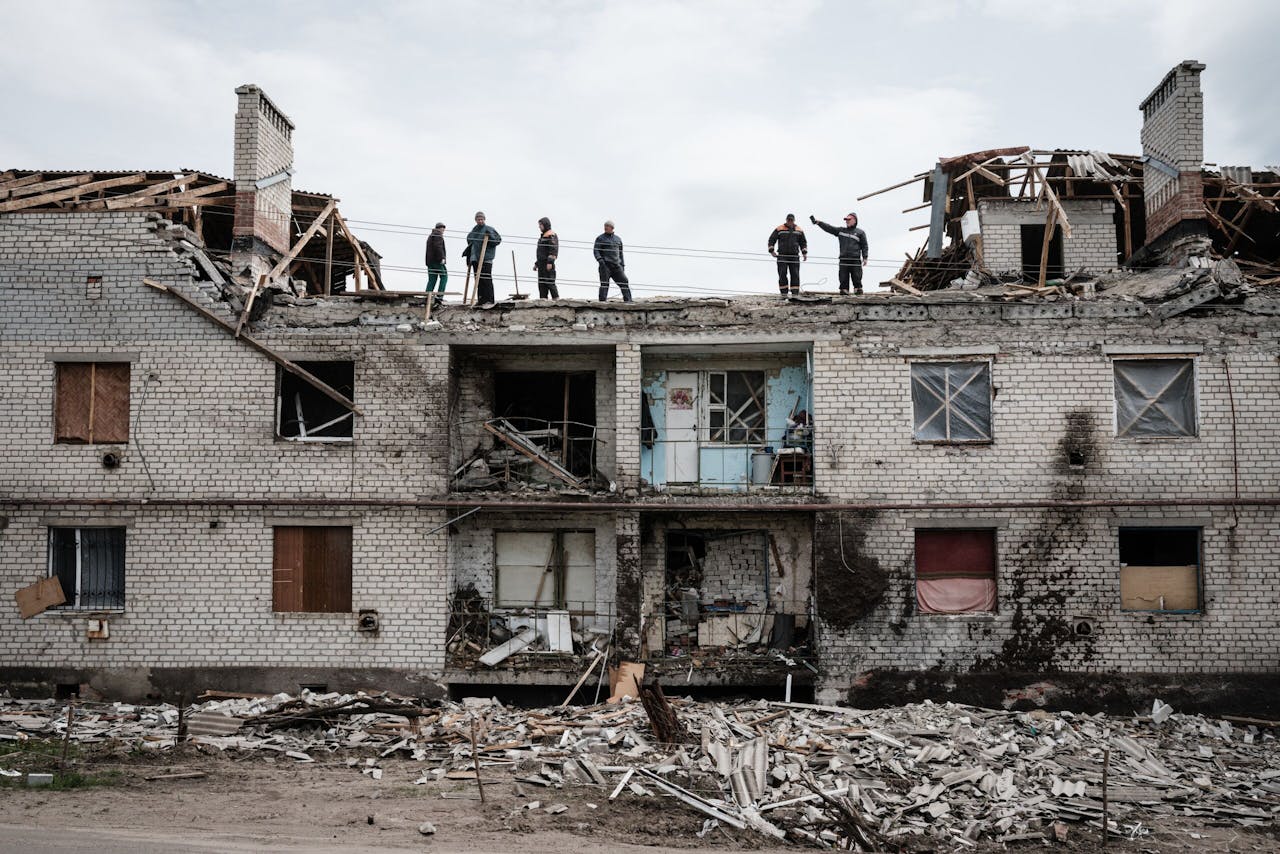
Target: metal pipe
646,506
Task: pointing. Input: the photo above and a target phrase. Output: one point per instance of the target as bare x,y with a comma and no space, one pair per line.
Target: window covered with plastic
1155,398
952,401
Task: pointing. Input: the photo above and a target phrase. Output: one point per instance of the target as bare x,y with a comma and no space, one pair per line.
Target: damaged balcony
727,419
532,423
728,597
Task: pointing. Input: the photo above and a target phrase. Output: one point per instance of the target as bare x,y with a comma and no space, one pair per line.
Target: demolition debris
820,775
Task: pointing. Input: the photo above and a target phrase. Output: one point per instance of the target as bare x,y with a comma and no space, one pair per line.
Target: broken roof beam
919,177
292,367
358,251
9,186
989,154
1047,192
28,187
63,194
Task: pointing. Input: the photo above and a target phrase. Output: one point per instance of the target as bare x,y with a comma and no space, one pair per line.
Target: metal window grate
89,563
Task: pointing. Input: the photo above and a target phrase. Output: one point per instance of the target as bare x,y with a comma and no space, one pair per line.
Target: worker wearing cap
482,267
608,252
545,260
437,273
787,243
853,250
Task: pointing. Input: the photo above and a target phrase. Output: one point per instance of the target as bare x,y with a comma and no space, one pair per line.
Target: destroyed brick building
1030,474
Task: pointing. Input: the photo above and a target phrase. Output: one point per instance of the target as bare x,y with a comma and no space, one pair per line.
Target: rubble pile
823,775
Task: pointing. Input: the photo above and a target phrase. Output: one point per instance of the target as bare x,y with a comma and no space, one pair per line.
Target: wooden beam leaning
292,367
919,177
60,195
1047,192
302,241
361,260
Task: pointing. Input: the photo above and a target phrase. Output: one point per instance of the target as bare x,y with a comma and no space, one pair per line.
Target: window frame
348,415
949,362
1117,359
992,531
557,600
74,603
755,436
293,600
1199,565
61,369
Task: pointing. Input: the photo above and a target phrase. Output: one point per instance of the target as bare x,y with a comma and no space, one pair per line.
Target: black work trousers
614,271
547,283
850,274
788,267
484,283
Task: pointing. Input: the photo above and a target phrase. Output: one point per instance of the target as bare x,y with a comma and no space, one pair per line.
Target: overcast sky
693,124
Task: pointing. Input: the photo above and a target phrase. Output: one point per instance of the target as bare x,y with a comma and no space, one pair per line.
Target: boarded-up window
1155,398
955,571
951,401
545,569
89,564
312,569
736,407
1159,569
304,413
91,403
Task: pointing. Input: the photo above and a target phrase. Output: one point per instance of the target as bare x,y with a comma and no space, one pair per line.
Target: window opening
304,414
554,409
1155,398
1159,569
951,401
89,564
1033,247
545,569
736,407
312,569
91,403
955,571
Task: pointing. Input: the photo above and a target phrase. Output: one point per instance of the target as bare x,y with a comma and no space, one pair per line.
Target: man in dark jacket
545,263
787,243
436,270
608,252
482,268
853,251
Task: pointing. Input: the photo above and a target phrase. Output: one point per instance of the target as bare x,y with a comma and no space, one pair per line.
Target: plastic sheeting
1155,398
952,401
955,595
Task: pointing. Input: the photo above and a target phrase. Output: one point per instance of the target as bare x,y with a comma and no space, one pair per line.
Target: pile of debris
823,775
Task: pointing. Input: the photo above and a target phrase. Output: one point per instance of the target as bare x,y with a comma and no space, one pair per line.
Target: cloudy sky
696,125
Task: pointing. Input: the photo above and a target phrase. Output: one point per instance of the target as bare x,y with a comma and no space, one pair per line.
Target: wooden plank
1049,224
248,304
295,369
361,260
988,154
144,199
27,186
531,451
288,575
60,195
7,187
919,177
898,285
39,597
315,226
153,190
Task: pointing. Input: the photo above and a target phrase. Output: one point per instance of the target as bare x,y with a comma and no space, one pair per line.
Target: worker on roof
482,268
437,272
788,244
545,263
608,252
853,250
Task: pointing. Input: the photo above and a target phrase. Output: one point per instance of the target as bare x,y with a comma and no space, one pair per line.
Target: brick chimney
1173,154
264,189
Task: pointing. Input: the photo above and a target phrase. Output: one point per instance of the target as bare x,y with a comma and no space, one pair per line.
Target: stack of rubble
823,775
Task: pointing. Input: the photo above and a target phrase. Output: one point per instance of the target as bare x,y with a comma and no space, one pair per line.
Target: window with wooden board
955,571
1159,569
91,403
312,569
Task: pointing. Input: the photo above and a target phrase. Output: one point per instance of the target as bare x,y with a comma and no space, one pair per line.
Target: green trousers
436,272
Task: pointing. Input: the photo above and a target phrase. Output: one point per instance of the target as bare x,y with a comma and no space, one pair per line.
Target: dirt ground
257,803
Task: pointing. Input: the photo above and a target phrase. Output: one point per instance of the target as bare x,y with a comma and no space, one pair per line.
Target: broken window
1155,398
1033,250
736,407
556,410
89,564
304,413
91,403
311,570
955,571
1159,569
545,569
952,401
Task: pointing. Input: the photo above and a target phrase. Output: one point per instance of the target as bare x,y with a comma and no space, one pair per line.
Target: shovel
516,278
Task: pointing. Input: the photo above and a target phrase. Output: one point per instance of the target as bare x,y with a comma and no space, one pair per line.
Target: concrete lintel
1184,521
941,352
89,356
82,519
310,521
952,522
1152,349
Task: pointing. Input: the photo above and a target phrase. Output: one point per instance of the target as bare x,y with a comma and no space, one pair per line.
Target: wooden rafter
72,192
